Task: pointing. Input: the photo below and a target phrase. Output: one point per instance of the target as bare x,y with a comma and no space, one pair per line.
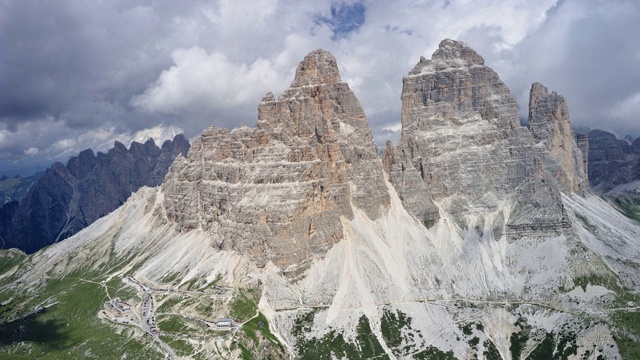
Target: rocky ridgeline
612,162
66,199
549,123
278,191
463,148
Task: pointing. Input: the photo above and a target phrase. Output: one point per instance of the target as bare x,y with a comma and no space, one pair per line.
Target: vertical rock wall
279,191
549,123
462,145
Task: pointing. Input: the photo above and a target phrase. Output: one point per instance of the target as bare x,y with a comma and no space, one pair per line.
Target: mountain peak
318,67
453,50
450,54
310,161
549,124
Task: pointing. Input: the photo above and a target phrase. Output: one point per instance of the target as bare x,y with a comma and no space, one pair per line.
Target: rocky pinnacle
278,191
549,123
462,146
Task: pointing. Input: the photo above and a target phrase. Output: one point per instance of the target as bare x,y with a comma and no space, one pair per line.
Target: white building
224,323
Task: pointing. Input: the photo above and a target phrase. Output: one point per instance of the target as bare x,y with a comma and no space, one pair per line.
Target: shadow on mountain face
35,328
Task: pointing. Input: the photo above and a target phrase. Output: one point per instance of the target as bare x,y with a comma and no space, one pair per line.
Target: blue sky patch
345,18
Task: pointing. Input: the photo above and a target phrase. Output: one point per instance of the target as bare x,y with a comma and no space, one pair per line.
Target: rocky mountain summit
279,191
66,199
549,123
462,145
473,237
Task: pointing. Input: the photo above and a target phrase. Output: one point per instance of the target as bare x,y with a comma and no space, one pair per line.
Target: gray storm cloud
78,74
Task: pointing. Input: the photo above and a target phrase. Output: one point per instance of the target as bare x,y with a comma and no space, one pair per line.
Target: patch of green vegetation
244,305
192,284
367,341
170,278
9,259
70,328
583,219
628,207
122,290
467,329
205,307
399,336
474,342
245,353
491,351
544,350
552,347
171,323
433,353
176,324
216,280
303,324
627,334
4,296
168,303
519,339
428,223
566,346
180,346
333,344
259,324
391,325
256,341
608,281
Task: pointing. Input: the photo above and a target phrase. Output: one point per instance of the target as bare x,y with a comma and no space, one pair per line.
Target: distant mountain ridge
612,162
16,187
66,199
614,170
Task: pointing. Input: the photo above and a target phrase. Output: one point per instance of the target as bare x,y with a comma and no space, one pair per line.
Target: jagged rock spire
549,123
278,192
318,67
450,54
455,50
462,145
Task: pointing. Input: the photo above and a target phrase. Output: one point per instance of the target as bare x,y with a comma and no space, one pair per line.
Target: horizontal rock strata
462,145
279,191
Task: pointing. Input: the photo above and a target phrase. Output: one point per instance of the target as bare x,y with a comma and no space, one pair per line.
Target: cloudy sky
76,74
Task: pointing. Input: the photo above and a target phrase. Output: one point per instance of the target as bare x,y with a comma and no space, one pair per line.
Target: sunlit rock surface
278,191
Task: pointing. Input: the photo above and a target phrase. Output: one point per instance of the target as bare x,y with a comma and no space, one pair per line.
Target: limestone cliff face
549,123
462,146
278,191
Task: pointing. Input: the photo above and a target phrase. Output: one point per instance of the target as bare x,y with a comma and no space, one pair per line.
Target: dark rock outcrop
16,187
66,199
7,212
612,162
